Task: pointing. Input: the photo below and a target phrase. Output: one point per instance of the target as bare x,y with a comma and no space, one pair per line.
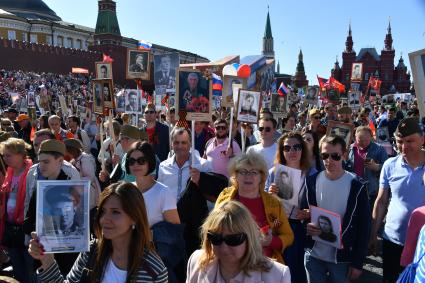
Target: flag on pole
217,85
333,83
107,59
322,82
283,90
144,45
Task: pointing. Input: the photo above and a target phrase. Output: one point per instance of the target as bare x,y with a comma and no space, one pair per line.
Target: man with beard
217,149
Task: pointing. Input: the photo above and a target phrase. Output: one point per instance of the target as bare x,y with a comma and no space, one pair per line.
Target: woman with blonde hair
248,173
231,250
123,251
12,202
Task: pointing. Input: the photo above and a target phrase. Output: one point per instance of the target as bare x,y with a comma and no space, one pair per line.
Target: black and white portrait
248,106
382,135
63,215
194,95
343,130
311,96
31,98
165,66
354,98
108,93
228,97
138,64
132,100
120,101
103,70
98,98
329,224
356,71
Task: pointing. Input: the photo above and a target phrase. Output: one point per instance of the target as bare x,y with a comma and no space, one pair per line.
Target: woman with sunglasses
248,173
292,158
315,126
161,205
312,142
123,251
231,250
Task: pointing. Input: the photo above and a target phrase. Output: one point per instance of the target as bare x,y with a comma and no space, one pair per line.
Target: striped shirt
53,275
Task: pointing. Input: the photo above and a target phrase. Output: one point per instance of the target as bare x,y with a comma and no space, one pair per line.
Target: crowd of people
235,206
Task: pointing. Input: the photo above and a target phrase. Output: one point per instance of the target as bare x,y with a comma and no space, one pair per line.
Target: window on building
59,41
48,39
24,36
79,44
33,38
69,42
11,35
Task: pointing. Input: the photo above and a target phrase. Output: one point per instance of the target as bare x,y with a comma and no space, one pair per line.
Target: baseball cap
407,127
22,117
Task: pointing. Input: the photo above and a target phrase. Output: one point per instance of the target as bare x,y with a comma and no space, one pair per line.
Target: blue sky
215,29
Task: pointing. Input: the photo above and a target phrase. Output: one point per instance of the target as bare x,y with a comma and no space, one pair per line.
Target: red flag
107,59
165,99
32,134
322,82
372,127
333,83
150,99
374,83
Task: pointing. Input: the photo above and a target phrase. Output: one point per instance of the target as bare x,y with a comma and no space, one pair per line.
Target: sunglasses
232,240
316,117
295,147
248,173
132,161
267,129
149,112
335,156
218,128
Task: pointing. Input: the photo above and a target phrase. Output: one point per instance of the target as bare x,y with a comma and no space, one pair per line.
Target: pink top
216,154
416,221
359,157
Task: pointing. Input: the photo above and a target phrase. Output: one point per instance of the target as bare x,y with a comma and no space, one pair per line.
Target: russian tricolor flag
144,45
283,90
217,85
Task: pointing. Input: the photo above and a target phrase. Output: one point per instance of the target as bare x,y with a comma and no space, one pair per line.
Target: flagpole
193,142
230,127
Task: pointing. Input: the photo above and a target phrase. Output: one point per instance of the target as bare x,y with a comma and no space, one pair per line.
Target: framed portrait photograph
343,130
97,97
165,66
228,97
311,96
382,135
103,70
138,64
354,98
329,223
194,95
31,98
62,222
356,71
248,106
278,103
132,100
120,101
417,64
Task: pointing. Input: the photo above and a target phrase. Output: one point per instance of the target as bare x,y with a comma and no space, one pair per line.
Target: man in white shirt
79,134
175,171
268,147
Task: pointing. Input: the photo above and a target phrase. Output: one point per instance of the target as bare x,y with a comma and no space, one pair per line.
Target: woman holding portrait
248,173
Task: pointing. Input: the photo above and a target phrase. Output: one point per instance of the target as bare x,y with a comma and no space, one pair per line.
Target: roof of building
371,51
29,9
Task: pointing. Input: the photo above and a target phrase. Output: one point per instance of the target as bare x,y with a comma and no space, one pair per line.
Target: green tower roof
107,22
268,30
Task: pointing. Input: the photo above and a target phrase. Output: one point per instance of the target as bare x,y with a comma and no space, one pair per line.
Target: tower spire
388,38
349,41
268,49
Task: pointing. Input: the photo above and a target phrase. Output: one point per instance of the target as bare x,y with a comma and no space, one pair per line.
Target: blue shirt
419,257
407,193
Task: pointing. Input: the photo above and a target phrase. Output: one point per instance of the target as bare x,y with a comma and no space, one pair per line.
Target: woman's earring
133,226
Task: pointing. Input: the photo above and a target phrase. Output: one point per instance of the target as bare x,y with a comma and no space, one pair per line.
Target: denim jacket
379,155
356,222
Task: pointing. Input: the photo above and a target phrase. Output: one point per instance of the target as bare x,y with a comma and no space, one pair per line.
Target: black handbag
13,235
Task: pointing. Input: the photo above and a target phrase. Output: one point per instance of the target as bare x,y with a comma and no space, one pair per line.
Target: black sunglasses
267,129
149,112
218,128
295,147
232,240
316,117
335,156
132,161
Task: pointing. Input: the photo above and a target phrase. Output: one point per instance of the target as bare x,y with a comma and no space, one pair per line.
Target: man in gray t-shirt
345,194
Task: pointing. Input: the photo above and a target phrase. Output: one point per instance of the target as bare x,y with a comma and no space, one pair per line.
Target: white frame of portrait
109,67
347,126
336,223
145,75
417,64
63,243
139,98
248,118
355,79
174,56
316,95
226,99
193,116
